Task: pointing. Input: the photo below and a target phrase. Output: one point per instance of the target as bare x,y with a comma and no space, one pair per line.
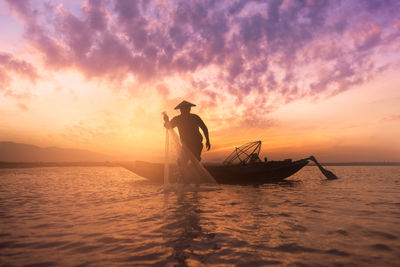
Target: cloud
21,7
85,132
12,68
8,63
391,118
259,53
97,15
23,106
4,79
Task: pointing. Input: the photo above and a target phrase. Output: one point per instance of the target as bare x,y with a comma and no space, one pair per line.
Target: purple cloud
21,7
8,63
4,79
10,67
278,50
96,15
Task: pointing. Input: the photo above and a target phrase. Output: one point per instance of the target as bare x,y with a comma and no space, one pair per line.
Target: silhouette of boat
242,167
254,173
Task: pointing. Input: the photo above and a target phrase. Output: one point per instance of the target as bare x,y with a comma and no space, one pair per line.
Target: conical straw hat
184,103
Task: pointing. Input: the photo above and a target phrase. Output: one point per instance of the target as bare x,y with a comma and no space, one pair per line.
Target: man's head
185,110
184,107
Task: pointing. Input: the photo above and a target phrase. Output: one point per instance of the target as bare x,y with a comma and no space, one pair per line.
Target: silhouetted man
188,125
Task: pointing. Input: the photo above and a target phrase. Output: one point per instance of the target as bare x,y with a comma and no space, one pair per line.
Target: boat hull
258,173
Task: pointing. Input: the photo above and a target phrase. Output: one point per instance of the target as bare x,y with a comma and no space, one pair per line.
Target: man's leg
196,150
183,161
189,168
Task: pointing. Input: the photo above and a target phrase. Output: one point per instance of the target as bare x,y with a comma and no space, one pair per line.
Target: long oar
328,174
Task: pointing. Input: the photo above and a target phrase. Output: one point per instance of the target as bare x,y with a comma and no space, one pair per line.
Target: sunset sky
305,77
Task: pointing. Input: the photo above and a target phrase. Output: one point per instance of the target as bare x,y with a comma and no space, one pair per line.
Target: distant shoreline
359,164
13,165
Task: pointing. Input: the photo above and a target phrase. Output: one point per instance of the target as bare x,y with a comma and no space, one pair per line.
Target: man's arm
169,124
204,128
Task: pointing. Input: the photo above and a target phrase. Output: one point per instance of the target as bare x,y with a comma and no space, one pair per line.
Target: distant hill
16,152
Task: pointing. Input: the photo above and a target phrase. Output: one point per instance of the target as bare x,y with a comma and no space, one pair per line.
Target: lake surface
100,216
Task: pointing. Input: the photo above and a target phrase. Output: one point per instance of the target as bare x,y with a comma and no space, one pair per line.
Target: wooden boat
239,174
242,167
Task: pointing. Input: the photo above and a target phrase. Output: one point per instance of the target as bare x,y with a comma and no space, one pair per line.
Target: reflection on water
102,216
182,228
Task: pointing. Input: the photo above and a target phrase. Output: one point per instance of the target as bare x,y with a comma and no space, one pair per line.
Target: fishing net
181,166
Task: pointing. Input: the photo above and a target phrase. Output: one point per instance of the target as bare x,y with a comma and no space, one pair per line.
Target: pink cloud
255,47
391,118
11,68
163,90
96,13
23,106
366,35
8,63
4,79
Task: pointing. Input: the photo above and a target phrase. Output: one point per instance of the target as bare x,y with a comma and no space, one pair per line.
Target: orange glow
344,113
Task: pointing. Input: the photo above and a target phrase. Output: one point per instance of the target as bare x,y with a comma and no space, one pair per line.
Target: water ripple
109,216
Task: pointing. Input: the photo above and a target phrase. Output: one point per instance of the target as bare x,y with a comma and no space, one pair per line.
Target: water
109,216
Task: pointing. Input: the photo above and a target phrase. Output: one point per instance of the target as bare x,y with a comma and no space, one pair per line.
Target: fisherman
188,126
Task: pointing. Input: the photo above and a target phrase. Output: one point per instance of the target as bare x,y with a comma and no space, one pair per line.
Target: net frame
244,154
